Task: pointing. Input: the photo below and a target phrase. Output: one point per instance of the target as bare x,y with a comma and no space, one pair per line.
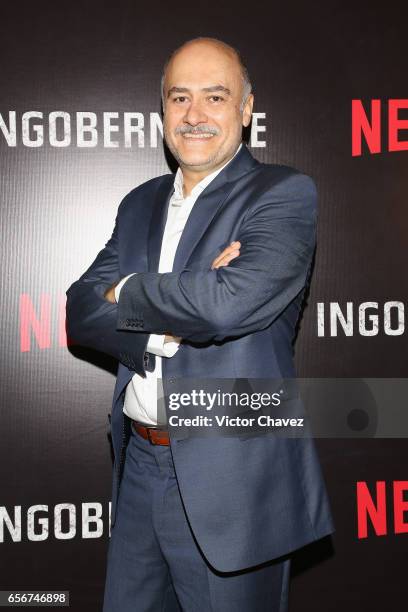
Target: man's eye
179,99
216,98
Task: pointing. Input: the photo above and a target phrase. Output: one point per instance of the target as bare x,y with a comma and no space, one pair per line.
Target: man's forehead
204,78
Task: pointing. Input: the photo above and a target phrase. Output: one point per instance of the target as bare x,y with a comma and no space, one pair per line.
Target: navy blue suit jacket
248,499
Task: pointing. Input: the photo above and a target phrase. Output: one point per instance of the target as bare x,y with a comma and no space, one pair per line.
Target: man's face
202,98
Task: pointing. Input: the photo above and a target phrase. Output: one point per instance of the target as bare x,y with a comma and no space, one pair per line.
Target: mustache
199,129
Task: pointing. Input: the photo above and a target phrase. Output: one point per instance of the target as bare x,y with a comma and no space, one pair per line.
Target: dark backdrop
307,62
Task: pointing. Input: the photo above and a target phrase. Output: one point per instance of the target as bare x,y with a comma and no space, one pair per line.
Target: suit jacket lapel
158,222
200,217
203,212
209,202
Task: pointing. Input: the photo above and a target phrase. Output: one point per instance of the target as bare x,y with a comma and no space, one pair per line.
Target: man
203,277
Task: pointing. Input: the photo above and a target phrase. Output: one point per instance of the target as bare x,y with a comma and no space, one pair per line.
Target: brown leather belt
155,435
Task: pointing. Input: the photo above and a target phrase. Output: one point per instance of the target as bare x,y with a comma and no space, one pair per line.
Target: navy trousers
154,563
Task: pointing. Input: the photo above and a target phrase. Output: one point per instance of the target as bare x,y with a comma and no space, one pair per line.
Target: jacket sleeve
277,239
92,320
155,344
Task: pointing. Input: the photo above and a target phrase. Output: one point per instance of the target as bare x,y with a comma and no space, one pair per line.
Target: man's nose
195,114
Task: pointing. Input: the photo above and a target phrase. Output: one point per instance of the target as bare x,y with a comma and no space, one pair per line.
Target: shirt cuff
120,285
157,346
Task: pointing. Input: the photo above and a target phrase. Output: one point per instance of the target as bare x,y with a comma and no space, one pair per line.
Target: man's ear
247,112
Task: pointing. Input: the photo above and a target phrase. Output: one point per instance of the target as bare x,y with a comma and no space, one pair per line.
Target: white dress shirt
142,394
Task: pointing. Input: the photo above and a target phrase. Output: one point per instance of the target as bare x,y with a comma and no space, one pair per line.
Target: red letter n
360,124
366,507
29,321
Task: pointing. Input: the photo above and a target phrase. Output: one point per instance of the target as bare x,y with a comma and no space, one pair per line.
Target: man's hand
110,293
170,338
228,254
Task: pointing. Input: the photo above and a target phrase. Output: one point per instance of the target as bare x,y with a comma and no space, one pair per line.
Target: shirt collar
197,189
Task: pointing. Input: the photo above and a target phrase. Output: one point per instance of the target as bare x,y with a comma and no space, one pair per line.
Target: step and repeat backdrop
80,126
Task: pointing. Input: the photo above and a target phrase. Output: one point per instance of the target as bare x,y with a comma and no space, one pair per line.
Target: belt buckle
149,436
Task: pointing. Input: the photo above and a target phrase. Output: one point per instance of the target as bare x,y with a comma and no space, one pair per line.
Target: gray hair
246,82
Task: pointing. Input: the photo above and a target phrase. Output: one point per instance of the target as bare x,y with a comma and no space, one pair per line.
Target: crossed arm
92,309
166,345
277,239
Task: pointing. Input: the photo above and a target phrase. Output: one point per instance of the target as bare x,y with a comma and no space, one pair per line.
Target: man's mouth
197,136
